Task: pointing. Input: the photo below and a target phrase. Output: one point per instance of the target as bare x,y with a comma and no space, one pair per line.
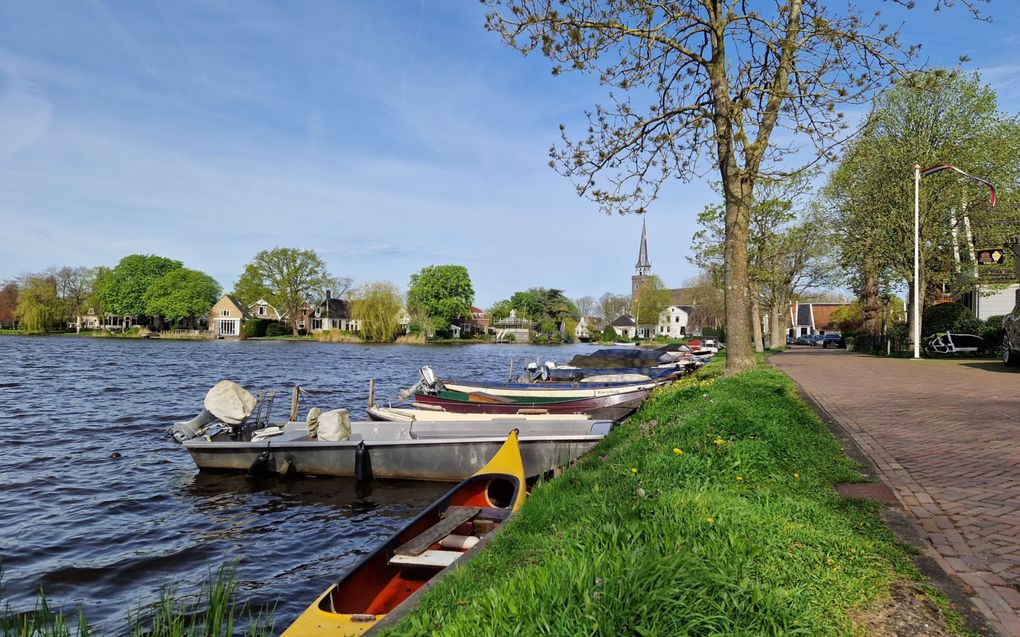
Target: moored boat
384,580
423,413
613,407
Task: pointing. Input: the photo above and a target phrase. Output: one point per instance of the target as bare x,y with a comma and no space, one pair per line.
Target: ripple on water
108,533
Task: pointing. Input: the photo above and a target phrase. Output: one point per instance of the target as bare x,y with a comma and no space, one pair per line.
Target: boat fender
312,421
287,468
260,467
362,463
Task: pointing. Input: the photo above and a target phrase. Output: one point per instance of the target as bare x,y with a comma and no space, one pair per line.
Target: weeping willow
377,308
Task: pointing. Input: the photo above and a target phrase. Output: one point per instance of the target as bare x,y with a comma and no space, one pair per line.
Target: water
107,533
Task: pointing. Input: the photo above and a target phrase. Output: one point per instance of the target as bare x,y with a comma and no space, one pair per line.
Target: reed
412,339
337,336
213,613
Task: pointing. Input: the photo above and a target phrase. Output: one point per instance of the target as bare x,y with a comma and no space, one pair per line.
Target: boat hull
614,407
554,390
445,452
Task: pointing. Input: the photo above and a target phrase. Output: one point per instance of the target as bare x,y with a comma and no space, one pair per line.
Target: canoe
384,580
578,374
444,451
408,414
613,407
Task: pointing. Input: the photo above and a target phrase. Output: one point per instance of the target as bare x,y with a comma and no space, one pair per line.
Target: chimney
329,295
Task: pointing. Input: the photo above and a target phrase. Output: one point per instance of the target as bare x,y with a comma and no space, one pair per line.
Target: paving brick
944,437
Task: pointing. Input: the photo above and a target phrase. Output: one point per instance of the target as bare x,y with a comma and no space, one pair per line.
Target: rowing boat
614,407
382,581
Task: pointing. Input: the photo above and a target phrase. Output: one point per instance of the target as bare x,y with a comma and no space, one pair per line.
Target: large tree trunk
870,302
759,343
739,351
777,323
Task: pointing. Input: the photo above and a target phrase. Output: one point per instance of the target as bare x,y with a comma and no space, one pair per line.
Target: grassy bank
711,512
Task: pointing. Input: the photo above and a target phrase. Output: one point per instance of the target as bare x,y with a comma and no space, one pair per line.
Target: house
330,314
226,316
478,323
262,309
812,318
588,328
992,290
674,320
624,326
513,328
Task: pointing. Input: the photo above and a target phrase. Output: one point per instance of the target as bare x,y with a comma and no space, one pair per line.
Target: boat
443,534
439,450
434,414
589,387
614,407
579,374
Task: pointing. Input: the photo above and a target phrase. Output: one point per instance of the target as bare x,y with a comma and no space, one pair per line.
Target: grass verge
710,512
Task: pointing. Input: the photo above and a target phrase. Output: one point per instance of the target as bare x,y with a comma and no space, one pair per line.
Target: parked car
834,340
803,340
1011,335
790,340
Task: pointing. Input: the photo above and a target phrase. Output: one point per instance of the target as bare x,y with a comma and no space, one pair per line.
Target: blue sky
386,136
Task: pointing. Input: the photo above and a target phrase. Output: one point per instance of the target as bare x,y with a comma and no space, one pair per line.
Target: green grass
740,534
213,613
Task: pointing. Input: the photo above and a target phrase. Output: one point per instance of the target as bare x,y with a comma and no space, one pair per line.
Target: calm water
106,534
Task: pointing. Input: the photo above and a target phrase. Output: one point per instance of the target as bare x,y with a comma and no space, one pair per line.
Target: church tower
642,269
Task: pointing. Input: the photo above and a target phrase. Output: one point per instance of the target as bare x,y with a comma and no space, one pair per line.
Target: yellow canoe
390,574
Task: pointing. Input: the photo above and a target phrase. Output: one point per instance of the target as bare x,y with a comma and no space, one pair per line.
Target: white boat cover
229,402
334,425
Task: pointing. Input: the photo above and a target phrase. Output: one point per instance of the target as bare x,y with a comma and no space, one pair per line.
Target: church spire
643,267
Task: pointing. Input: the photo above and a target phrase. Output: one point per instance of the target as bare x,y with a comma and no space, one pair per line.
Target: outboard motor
193,428
428,377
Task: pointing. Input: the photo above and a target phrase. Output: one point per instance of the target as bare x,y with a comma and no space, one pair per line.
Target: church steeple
643,267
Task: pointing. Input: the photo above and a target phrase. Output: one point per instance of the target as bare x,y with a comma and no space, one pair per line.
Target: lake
106,533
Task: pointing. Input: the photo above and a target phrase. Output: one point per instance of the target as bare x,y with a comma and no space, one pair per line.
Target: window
317,324
262,310
224,312
678,318
228,328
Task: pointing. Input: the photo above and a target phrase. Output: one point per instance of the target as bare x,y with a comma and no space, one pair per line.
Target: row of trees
697,84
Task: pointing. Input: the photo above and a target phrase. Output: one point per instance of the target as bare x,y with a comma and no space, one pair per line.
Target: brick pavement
944,435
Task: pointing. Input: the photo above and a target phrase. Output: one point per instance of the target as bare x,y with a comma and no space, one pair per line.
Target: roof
803,314
823,314
624,321
642,260
686,308
334,308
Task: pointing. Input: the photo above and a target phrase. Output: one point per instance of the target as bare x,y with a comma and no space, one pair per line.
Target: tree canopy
284,277
651,301
443,292
122,292
181,294
377,307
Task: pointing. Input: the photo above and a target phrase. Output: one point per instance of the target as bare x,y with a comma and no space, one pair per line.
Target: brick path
945,436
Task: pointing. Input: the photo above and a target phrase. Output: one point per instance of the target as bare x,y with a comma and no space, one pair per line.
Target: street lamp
918,173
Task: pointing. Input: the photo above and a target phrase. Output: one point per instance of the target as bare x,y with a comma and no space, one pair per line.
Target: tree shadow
993,366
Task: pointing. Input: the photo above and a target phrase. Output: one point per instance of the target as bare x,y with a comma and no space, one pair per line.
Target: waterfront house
332,314
673,321
624,326
812,318
262,309
588,328
226,316
513,328
477,323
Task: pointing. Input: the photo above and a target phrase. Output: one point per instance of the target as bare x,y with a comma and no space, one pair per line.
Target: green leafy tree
284,277
182,295
652,300
74,286
500,310
443,292
377,307
39,308
715,81
929,118
122,292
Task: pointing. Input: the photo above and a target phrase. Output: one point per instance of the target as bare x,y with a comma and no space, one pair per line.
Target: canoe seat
455,516
430,558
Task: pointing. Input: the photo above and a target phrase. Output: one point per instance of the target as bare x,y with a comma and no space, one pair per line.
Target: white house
625,326
673,321
991,300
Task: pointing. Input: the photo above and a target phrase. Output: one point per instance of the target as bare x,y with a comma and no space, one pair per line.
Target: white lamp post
918,173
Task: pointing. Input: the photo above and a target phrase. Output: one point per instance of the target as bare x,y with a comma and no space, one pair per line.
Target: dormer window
262,310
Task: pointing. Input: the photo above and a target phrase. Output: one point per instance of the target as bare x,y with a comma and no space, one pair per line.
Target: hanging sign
991,256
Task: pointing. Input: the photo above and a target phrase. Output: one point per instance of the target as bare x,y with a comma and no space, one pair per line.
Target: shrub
278,329
995,321
254,328
949,317
608,334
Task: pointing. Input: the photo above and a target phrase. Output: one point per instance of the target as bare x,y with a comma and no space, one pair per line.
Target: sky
384,135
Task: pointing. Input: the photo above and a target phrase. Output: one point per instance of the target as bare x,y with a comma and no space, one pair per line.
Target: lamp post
918,173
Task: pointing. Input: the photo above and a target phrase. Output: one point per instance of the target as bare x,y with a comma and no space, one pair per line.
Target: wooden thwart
483,513
455,516
436,559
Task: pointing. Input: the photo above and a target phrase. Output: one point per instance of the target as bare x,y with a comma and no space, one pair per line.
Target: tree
8,303
284,277
74,287
706,297
377,307
584,305
122,292
181,294
500,310
612,306
719,79
443,292
543,304
930,118
652,300
39,307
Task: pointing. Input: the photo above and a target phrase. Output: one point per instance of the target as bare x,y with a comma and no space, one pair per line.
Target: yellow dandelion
709,520
719,441
633,469
796,475
740,477
678,451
